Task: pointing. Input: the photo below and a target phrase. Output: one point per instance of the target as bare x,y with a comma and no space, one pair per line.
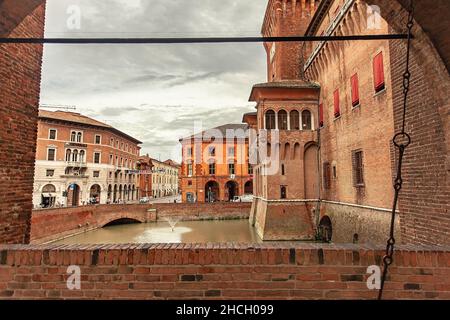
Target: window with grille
326,175
358,168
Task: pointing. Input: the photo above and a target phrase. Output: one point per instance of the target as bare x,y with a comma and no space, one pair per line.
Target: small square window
52,134
96,174
50,173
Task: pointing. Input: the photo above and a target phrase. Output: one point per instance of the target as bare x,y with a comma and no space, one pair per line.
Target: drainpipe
319,179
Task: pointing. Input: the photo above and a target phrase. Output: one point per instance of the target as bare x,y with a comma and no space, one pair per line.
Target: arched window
82,156
295,120
73,136
306,120
282,120
287,151
270,120
49,188
79,137
297,151
68,154
75,155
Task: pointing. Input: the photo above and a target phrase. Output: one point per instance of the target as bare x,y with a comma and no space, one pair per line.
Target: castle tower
286,18
286,184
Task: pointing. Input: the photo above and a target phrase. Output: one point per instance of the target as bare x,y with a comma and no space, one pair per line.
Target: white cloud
155,92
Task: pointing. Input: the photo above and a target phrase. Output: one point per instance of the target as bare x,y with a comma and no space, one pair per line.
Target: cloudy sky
155,92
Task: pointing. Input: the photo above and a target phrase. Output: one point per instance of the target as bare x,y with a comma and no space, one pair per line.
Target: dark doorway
248,187
325,229
94,194
73,195
231,189
212,191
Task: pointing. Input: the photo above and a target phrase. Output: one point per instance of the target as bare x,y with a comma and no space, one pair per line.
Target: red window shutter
378,72
321,115
337,109
355,89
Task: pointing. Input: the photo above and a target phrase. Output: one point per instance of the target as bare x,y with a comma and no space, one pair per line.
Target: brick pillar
20,70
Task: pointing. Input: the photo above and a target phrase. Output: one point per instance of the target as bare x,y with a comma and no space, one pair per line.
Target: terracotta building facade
215,165
80,160
340,188
356,122
165,179
286,176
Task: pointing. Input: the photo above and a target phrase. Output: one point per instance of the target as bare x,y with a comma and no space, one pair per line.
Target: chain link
401,141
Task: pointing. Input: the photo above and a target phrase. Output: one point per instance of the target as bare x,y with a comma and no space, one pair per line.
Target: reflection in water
160,232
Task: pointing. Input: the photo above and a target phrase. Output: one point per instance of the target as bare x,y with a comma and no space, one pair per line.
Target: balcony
75,175
77,145
76,164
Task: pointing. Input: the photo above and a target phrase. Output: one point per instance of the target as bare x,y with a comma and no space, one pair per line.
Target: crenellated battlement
287,12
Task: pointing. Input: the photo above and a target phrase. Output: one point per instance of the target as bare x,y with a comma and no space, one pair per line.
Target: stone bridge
52,224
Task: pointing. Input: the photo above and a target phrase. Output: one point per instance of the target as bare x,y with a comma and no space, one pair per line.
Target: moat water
162,232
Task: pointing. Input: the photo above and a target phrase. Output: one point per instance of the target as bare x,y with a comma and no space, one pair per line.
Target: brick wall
220,271
424,200
52,224
204,211
20,70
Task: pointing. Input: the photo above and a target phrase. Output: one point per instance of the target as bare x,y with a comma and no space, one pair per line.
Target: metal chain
401,141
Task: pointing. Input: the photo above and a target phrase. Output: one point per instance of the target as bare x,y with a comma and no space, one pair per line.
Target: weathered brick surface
424,201
370,127
20,72
220,271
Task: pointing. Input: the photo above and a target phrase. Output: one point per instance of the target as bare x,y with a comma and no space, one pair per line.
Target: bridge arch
122,221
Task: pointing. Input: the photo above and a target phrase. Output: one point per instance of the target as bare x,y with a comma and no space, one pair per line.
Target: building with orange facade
80,160
215,164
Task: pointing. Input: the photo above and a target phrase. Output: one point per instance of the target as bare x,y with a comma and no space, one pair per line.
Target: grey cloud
157,91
